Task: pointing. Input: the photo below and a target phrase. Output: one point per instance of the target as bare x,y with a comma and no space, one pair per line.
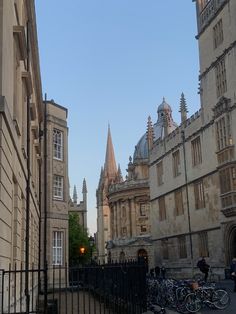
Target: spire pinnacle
84,190
110,162
75,198
150,133
183,108
119,174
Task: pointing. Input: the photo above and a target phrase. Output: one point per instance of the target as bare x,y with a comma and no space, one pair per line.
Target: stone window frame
58,187
57,144
227,177
159,169
182,247
176,163
221,78
57,247
179,206
196,151
203,244
218,34
143,209
165,250
199,195
143,228
223,132
162,208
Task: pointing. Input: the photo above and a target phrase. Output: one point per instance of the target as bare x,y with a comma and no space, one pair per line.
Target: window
57,144
203,244
179,209
199,195
143,209
143,228
196,151
160,173
58,187
123,212
227,179
57,248
124,231
221,83
176,163
218,34
182,247
162,208
165,252
223,132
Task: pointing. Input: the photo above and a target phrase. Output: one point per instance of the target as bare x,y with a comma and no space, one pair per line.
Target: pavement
228,285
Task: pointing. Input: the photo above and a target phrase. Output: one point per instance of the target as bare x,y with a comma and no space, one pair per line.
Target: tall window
179,208
218,34
176,163
182,247
143,209
196,151
221,82
162,208
223,132
227,179
57,144
199,195
57,249
165,252
160,173
203,244
58,187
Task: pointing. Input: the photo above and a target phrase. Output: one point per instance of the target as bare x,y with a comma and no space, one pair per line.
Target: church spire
119,174
183,108
75,198
110,162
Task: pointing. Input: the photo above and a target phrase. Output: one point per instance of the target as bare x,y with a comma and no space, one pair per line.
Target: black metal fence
94,289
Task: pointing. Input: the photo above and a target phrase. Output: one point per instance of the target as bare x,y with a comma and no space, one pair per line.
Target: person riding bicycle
204,267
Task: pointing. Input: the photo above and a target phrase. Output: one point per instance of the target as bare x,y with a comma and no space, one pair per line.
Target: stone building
22,159
20,149
56,186
81,207
192,170
123,205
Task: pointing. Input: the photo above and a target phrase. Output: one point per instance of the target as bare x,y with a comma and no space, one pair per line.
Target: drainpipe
187,197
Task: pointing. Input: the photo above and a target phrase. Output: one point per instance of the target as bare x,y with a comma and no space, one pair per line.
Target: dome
164,110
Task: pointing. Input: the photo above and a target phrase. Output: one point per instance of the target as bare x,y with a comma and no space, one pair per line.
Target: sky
113,61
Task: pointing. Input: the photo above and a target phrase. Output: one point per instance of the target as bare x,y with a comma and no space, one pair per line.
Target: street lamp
91,245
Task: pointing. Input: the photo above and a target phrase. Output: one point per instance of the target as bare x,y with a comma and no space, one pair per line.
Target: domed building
124,205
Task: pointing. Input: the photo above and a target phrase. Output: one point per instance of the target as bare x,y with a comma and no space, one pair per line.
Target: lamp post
91,245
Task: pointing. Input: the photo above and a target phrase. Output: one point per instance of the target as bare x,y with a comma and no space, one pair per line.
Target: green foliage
78,238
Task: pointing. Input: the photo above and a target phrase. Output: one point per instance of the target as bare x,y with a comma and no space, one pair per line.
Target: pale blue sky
113,61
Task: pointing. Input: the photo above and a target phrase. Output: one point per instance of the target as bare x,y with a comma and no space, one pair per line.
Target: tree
78,242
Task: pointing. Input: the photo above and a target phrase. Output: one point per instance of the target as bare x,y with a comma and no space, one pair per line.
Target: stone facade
20,119
56,186
193,199
81,207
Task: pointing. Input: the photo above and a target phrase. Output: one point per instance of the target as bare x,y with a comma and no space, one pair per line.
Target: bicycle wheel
192,303
220,299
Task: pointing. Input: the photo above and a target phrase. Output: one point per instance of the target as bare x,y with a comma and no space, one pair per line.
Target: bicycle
212,277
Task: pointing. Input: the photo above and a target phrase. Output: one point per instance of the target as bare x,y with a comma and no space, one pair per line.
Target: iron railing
92,289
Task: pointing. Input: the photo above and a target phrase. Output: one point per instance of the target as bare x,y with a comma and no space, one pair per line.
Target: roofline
56,105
